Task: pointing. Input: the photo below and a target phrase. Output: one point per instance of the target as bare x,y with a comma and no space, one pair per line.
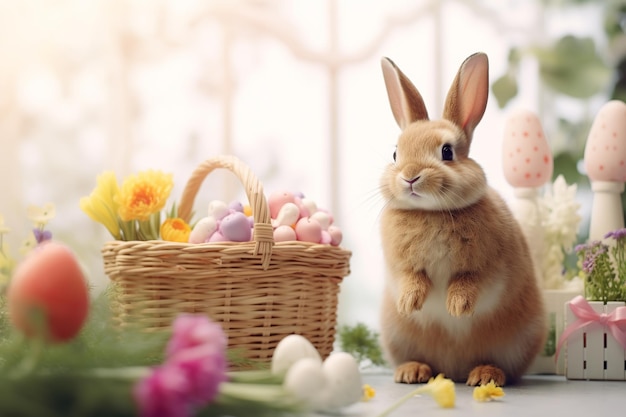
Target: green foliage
571,66
362,343
93,375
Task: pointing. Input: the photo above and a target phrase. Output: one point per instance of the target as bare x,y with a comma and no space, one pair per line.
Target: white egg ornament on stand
605,164
528,165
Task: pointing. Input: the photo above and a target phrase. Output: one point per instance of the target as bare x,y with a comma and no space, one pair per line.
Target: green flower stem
402,400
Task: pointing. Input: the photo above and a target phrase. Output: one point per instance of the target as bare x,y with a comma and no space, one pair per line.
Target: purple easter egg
236,228
236,206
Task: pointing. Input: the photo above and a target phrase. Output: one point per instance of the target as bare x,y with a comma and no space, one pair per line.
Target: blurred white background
291,87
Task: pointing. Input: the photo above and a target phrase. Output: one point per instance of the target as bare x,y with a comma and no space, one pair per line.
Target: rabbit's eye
446,153
394,155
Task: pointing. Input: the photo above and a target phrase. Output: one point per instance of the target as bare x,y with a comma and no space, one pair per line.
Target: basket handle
263,230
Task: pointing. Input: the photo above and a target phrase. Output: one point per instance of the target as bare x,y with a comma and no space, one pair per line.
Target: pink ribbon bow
615,321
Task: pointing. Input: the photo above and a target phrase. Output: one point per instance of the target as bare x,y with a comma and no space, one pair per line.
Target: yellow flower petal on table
40,216
441,389
488,392
368,393
175,230
144,194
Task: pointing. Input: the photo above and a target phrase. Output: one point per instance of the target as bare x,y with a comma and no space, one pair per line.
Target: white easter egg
291,349
203,230
218,209
323,218
310,205
336,236
288,215
307,381
345,384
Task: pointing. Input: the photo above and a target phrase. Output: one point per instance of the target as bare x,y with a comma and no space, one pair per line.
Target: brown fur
461,297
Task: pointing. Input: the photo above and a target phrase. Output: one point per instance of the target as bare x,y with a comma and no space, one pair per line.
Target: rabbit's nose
411,181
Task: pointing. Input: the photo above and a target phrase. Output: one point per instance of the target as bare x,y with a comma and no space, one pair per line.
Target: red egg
49,281
309,230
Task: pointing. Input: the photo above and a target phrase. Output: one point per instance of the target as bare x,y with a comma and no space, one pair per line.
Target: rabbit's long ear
406,102
467,98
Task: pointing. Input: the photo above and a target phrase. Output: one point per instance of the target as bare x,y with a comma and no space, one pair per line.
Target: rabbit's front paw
459,304
411,300
412,373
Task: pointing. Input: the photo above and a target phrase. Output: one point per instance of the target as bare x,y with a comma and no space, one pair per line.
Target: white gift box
591,349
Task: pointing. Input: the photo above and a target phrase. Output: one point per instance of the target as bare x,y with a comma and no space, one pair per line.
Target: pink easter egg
605,151
236,228
284,234
326,238
278,199
217,237
336,235
527,159
309,230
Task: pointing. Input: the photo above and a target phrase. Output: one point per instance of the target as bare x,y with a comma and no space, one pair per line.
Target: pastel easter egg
336,235
236,228
217,237
284,234
288,215
218,209
48,288
326,238
236,206
527,159
309,230
278,199
323,218
290,350
310,205
304,211
247,210
605,151
344,381
201,232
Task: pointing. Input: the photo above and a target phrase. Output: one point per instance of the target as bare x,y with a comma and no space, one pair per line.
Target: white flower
560,224
40,216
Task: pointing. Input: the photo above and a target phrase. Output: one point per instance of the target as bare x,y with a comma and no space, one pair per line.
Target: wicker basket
260,291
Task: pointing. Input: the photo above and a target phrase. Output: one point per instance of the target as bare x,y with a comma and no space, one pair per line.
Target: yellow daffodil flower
28,245
143,194
368,393
488,392
175,230
40,216
101,206
441,389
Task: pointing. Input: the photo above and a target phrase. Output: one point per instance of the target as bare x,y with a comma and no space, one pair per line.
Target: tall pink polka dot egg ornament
605,151
526,157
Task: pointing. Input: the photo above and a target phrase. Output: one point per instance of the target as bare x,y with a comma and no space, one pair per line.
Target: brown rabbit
461,297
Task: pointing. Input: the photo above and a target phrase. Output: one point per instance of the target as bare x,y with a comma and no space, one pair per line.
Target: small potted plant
595,330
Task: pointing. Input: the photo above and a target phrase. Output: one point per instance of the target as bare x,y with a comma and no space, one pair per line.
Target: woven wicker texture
260,291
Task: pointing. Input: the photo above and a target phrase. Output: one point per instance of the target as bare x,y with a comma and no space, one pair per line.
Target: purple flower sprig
193,370
604,267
